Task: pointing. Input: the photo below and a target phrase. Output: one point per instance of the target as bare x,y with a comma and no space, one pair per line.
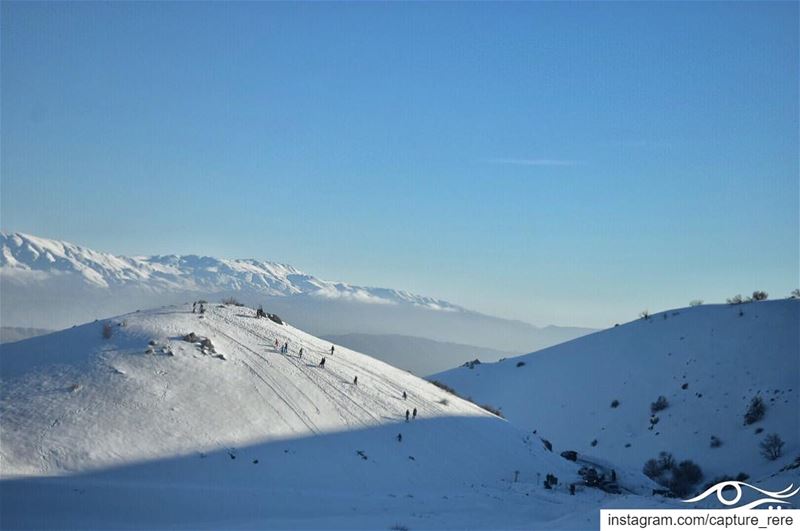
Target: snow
724,354
146,430
22,254
104,434
53,284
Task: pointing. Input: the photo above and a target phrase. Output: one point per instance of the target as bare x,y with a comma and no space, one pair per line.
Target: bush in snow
644,314
471,364
570,455
736,299
231,301
715,442
660,404
520,364
755,411
108,330
772,446
444,387
679,478
685,477
652,469
696,302
493,410
615,403
760,295
795,294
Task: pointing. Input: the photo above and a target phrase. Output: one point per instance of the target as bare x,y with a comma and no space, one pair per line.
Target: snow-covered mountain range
594,394
25,258
53,284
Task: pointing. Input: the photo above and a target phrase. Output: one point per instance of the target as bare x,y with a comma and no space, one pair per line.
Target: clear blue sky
568,163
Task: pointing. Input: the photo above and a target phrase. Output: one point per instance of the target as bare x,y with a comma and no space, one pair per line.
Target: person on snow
322,362
414,415
331,350
355,380
276,343
407,413
286,348
399,437
301,352
404,395
202,308
194,307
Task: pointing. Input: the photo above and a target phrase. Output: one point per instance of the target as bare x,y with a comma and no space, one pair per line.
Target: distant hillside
424,356
594,394
9,334
54,284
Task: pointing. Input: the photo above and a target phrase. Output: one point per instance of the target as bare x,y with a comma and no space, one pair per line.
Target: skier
404,395
301,352
399,437
194,306
286,348
322,363
276,343
415,413
331,350
407,413
202,308
355,380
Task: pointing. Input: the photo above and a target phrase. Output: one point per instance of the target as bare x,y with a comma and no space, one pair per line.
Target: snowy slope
54,284
724,356
105,434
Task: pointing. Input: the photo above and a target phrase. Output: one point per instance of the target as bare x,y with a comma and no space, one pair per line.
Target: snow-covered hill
594,394
123,422
53,284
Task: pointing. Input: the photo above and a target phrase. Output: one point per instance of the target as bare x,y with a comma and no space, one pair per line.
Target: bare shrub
760,295
660,404
108,330
492,409
755,411
772,446
444,387
696,302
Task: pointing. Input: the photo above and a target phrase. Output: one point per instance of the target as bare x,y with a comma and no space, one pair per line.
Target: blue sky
568,163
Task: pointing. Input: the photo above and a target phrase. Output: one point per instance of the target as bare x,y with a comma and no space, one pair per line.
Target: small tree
755,411
795,294
696,302
772,446
108,330
760,295
644,314
736,299
660,404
